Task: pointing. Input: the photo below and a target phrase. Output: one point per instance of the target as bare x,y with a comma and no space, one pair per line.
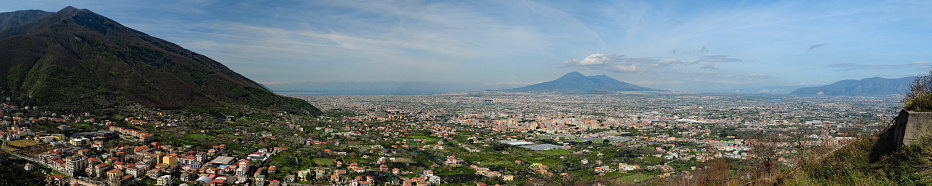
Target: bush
919,96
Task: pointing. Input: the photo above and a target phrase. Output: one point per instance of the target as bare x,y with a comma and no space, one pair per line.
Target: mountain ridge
75,54
875,86
575,82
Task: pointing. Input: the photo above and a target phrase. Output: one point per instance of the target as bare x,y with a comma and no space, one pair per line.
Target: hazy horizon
479,45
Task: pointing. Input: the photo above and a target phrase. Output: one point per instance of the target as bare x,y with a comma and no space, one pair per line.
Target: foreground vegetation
852,164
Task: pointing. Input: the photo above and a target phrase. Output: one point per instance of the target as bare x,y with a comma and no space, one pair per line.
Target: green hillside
75,57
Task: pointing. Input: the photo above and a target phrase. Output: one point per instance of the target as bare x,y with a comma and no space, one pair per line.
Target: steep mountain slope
864,87
575,82
75,55
8,19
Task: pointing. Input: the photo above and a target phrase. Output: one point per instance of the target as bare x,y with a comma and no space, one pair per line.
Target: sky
705,46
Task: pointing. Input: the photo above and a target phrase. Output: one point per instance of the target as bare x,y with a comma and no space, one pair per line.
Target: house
164,180
257,156
135,171
626,167
125,180
218,181
365,183
186,176
171,159
319,173
114,174
154,173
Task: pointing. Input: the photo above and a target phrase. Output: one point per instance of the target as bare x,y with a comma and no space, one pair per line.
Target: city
492,138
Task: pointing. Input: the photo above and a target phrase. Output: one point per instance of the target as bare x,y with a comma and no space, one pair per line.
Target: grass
497,162
850,165
323,161
426,138
23,143
554,152
197,136
631,178
404,160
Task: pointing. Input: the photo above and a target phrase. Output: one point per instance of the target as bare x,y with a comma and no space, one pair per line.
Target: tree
919,95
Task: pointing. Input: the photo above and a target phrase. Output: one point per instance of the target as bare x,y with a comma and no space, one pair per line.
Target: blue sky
475,45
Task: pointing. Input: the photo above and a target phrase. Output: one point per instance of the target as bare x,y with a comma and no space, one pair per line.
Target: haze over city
478,45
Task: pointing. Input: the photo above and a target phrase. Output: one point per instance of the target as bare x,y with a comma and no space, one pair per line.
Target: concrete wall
914,124
907,128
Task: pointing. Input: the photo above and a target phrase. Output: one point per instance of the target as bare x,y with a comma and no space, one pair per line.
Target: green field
426,138
197,136
555,152
497,162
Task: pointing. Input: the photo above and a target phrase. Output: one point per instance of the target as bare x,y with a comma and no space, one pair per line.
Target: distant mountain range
865,87
75,56
767,89
575,82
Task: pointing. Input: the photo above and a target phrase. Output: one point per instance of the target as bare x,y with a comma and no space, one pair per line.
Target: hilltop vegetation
919,96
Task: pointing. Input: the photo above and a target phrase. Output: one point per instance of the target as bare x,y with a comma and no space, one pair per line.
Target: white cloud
757,75
712,66
626,68
717,59
668,61
621,63
594,59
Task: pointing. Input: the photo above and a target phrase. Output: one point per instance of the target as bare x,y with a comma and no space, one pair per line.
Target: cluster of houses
143,136
492,174
540,168
425,179
128,164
